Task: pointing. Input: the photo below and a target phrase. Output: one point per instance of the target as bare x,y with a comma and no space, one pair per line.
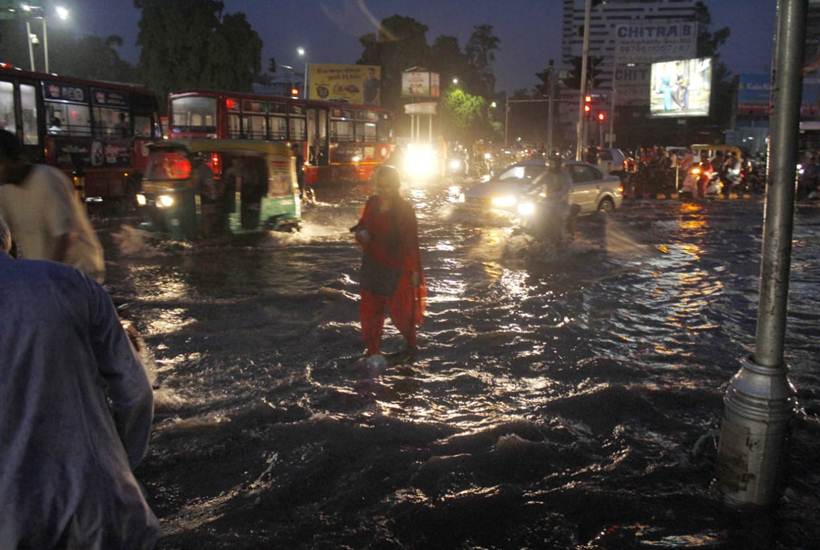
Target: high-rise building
606,16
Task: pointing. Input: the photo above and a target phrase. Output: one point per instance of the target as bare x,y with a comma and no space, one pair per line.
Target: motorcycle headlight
695,171
504,201
420,161
165,201
526,209
141,200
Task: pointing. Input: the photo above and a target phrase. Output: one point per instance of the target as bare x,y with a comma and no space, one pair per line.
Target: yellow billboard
359,84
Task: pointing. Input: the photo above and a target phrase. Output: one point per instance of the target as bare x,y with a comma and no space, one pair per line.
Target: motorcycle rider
557,222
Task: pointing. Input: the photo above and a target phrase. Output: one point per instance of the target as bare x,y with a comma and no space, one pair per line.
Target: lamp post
300,51
62,14
455,81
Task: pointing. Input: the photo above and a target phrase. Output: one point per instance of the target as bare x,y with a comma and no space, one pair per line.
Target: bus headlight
141,200
165,201
526,209
504,201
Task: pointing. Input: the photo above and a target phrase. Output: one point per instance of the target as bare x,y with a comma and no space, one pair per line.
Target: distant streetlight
300,51
455,81
62,12
493,105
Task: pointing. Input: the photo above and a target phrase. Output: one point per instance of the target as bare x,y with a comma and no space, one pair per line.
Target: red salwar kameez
390,259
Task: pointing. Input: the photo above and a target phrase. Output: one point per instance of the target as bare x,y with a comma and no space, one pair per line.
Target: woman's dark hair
388,177
10,146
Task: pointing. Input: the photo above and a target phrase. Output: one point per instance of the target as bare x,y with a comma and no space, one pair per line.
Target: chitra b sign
638,45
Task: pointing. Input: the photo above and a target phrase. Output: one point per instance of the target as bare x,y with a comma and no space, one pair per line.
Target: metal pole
30,47
305,81
506,121
551,109
45,41
580,130
612,118
758,401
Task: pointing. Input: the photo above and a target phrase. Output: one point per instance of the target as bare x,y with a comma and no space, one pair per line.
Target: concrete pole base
758,407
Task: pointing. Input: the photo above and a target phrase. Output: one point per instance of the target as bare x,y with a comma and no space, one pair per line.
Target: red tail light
215,164
168,165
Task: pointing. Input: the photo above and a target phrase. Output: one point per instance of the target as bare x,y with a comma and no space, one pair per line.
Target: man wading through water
391,276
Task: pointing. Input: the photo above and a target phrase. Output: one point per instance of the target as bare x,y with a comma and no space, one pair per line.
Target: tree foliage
480,53
464,115
192,44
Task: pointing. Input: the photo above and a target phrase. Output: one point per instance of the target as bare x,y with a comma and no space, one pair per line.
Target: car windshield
521,172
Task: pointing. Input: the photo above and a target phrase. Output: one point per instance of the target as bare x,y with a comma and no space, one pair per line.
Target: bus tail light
215,164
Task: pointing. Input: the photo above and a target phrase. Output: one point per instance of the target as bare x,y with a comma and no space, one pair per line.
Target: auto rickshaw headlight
165,201
695,171
141,200
526,209
504,201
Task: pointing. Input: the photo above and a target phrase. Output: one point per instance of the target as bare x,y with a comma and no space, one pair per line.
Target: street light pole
579,129
759,399
30,46
45,41
506,121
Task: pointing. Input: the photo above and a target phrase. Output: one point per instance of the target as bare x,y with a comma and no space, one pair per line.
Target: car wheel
606,206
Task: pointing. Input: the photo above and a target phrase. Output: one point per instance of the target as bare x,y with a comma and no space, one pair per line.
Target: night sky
530,30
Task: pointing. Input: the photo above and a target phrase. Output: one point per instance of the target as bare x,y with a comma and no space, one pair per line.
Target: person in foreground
48,220
76,410
391,273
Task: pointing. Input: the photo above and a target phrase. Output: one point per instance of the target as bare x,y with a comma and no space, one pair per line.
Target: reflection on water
556,401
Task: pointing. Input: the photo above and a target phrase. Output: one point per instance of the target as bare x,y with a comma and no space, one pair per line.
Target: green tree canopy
191,44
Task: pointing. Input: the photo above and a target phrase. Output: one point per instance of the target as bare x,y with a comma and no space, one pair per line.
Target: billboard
641,43
681,88
359,84
419,84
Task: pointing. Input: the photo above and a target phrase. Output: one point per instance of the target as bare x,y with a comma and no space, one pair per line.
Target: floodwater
565,402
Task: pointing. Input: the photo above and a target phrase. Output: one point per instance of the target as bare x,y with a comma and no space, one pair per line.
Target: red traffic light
601,117
294,92
587,108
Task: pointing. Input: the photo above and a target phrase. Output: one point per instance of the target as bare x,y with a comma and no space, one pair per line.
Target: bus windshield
193,114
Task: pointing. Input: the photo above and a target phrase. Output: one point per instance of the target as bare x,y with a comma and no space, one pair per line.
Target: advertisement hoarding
681,88
638,45
419,84
360,84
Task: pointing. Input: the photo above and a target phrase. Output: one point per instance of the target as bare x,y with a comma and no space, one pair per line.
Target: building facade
606,16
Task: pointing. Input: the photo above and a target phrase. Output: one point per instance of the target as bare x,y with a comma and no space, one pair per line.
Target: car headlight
526,209
141,200
165,201
504,201
455,164
695,171
419,160
488,156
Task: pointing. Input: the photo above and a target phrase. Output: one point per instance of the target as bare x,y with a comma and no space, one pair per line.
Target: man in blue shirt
75,409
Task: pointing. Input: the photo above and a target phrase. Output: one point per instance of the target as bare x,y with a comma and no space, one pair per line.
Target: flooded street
555,403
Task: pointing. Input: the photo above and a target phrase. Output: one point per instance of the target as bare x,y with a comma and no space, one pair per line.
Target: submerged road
555,403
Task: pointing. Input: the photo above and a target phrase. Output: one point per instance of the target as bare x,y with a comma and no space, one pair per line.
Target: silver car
591,192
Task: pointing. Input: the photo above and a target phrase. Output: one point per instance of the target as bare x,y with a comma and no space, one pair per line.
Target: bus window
298,129
111,123
68,119
278,127
28,100
255,126
384,129
365,132
7,120
193,114
341,130
142,126
234,126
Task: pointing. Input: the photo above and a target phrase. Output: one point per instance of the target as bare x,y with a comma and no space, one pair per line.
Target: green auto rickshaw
204,187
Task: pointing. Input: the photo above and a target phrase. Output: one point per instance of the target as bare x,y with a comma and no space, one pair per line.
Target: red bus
339,141
99,130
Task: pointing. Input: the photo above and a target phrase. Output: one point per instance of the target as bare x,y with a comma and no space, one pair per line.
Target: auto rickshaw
211,186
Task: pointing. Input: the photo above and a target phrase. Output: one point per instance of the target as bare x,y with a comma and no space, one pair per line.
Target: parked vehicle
205,186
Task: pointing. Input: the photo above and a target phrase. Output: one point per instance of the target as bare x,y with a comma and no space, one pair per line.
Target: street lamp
300,51
62,12
455,80
493,105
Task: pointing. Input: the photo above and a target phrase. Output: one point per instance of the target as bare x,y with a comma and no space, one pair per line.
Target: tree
480,52
447,58
464,115
723,83
399,44
191,44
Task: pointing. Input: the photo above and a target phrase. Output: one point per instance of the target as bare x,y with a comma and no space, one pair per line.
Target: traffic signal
601,116
588,105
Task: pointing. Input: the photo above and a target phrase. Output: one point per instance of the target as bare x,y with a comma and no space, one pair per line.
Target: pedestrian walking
391,272
76,409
